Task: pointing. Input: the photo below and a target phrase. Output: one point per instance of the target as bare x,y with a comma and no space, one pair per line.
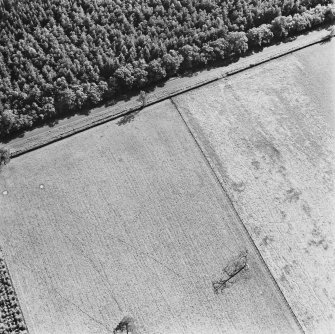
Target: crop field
128,220
269,135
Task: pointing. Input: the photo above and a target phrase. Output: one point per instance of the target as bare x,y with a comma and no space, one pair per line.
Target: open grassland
127,219
269,135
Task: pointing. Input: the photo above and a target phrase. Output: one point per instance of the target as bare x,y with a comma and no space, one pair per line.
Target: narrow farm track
127,219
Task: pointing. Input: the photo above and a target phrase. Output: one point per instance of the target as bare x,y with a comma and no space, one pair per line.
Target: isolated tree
4,156
331,33
143,98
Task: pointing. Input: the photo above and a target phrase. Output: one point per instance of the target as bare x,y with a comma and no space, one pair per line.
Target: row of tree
11,318
59,56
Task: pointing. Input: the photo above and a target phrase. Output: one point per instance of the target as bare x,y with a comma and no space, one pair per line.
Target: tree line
11,318
60,56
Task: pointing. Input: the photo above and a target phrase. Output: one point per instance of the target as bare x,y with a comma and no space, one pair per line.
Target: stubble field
127,219
269,135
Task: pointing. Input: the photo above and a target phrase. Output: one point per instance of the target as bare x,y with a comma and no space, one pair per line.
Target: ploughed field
268,133
128,220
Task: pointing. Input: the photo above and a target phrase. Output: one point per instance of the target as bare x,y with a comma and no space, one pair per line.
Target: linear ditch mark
245,64
257,251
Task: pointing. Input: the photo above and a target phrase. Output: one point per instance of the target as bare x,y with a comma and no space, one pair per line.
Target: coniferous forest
60,56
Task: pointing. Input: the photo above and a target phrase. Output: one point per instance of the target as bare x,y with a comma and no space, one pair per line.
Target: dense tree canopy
4,156
58,56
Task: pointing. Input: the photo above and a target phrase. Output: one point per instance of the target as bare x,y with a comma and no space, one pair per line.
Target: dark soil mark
233,268
128,118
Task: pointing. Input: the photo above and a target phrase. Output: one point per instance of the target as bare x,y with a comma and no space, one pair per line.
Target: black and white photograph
167,167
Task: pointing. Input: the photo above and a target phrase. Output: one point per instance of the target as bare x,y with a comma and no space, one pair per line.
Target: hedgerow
60,56
11,318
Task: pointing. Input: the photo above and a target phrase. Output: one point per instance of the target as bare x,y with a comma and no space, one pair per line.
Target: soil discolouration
307,209
318,239
287,269
238,186
292,195
269,151
283,278
267,240
256,164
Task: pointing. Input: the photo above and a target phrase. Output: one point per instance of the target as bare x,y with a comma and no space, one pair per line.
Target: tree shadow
128,118
110,103
125,326
161,84
53,122
126,97
289,39
330,36
189,73
327,40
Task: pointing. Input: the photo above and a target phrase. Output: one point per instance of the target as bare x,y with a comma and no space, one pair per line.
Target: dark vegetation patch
126,326
58,57
230,271
4,156
11,318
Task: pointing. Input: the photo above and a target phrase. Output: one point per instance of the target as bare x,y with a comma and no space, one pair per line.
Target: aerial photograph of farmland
167,166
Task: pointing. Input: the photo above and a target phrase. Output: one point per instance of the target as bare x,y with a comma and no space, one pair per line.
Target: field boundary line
216,174
20,146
